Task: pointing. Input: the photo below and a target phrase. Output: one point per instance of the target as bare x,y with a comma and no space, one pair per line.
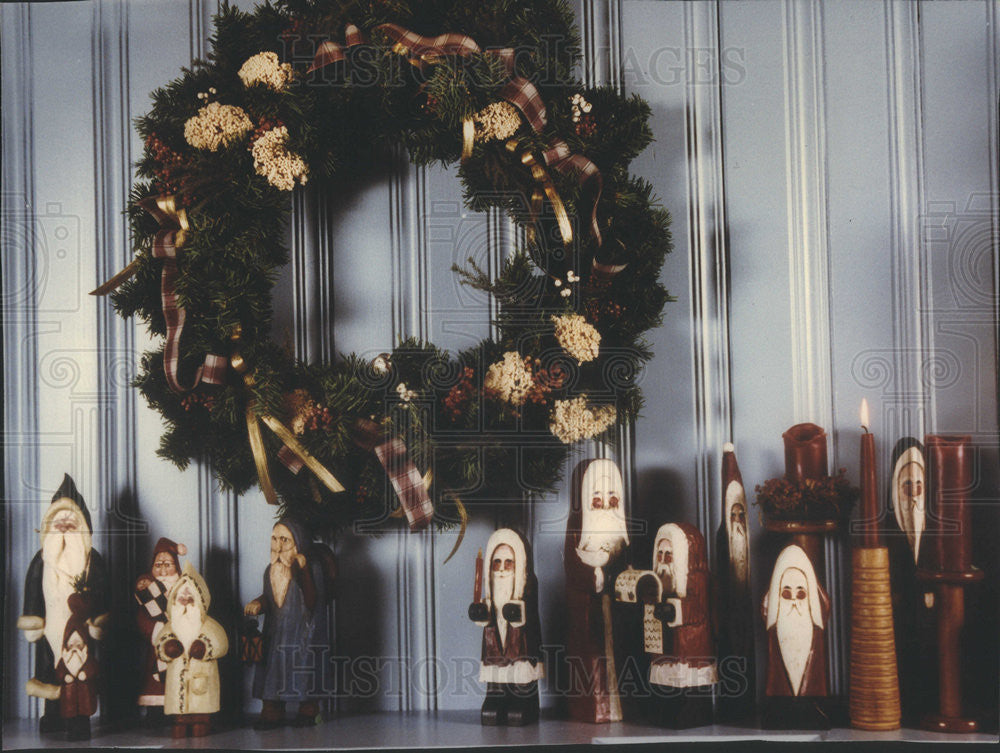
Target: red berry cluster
195,399
544,381
586,126
603,310
431,104
170,164
295,29
263,127
317,417
460,395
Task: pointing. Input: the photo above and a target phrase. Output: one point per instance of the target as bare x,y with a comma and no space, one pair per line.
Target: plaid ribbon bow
167,242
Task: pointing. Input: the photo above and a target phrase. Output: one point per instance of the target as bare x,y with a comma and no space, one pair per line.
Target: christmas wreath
314,91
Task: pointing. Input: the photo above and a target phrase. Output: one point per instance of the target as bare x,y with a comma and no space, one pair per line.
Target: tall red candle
869,482
949,478
805,452
477,595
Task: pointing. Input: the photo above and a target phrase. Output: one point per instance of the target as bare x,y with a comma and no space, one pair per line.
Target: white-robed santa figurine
596,550
151,592
511,659
66,564
796,611
683,671
190,644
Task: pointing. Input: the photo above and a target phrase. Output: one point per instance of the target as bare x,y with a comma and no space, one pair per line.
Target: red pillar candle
949,477
869,483
805,452
477,595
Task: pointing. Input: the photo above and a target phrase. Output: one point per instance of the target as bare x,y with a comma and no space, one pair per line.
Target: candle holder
948,568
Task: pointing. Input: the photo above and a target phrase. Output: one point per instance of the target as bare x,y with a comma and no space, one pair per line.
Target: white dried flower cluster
271,159
577,336
579,106
573,420
264,68
216,125
405,394
499,120
208,95
381,364
571,277
510,379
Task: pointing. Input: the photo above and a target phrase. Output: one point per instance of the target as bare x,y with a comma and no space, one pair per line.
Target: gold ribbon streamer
468,138
116,282
257,448
463,516
542,178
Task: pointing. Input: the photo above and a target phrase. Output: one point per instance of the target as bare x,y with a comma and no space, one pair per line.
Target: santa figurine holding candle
508,614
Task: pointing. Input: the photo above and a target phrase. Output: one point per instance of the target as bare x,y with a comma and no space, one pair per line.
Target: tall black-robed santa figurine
796,611
737,693
511,661
151,591
596,550
66,564
913,602
296,638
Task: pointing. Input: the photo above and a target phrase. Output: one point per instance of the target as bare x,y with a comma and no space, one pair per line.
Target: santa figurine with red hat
151,592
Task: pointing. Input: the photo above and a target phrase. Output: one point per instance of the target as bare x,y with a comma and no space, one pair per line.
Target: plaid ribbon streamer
561,159
290,460
407,482
168,240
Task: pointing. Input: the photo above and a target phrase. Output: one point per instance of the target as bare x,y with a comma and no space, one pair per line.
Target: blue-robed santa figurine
297,588
66,564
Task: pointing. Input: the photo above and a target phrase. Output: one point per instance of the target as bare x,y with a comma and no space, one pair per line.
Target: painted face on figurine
283,547
794,625
911,485
664,566
738,518
163,566
604,533
185,617
74,654
64,546
502,574
65,522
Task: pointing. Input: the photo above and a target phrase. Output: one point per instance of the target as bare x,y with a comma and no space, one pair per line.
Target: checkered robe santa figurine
511,663
151,591
66,564
77,671
191,644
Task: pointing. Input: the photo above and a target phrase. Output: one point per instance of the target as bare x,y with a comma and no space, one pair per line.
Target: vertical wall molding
808,260
910,290
709,264
20,351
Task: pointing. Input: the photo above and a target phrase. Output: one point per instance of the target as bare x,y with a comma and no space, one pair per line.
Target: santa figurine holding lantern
508,614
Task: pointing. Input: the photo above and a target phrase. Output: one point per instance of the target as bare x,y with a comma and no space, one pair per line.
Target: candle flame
865,418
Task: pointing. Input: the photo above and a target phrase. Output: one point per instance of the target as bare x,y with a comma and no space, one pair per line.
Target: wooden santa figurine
151,592
737,665
77,670
298,584
796,612
67,563
511,663
190,644
677,626
595,552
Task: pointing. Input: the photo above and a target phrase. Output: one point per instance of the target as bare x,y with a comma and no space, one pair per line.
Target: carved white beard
65,559
914,521
281,577
598,548
738,560
185,620
74,658
66,553
795,632
168,581
666,574
501,591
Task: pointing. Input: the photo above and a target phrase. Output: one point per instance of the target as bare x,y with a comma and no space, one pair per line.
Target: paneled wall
831,169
